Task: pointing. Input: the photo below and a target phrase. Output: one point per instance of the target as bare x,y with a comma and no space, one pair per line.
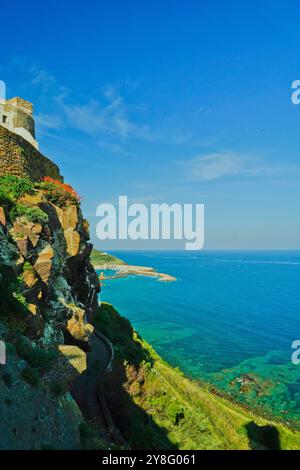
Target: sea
229,320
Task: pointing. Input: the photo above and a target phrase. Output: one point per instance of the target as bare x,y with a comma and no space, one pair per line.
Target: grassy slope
156,407
98,258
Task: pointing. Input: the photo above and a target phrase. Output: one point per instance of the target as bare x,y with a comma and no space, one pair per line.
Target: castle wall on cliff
19,154
16,116
18,157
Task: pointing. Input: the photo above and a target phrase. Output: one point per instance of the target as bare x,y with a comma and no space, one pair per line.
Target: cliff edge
48,297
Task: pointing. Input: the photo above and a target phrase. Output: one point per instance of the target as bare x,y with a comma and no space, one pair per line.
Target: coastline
126,270
259,411
227,424
105,261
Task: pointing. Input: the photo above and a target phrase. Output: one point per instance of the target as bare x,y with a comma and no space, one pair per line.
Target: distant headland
107,261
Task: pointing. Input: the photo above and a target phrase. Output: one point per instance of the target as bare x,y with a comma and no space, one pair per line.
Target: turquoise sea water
230,318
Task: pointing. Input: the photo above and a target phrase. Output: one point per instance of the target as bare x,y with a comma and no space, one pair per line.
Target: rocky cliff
48,298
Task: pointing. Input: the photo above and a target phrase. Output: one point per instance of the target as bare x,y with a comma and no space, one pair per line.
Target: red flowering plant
59,193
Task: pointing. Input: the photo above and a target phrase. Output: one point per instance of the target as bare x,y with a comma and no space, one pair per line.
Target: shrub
31,376
57,388
175,413
7,379
90,439
35,356
27,267
12,301
5,200
33,214
86,431
13,187
65,187
60,194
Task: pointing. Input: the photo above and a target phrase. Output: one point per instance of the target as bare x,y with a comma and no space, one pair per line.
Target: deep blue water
227,310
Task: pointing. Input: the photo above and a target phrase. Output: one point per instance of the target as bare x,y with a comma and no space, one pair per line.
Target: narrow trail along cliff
86,389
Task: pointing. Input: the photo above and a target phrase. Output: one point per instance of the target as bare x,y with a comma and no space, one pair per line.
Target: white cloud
49,121
213,166
110,119
112,147
227,164
41,77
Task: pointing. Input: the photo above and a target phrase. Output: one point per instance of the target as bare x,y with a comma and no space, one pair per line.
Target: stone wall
21,103
25,121
19,117
18,157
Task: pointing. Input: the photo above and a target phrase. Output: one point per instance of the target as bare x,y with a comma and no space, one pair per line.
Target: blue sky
167,101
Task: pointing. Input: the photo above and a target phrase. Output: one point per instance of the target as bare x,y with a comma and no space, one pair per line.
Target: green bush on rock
31,376
12,187
32,214
57,195
13,305
35,356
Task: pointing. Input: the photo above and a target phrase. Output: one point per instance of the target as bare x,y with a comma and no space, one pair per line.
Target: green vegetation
98,259
156,407
31,376
13,305
7,379
32,214
13,188
90,438
60,194
57,388
37,357
27,267
39,360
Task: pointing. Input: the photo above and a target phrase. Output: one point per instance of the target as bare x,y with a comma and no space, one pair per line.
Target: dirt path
84,389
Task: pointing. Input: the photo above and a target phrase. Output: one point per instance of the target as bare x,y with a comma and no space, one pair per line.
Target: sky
165,102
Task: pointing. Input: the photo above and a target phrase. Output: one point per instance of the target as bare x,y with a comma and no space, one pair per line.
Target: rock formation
49,294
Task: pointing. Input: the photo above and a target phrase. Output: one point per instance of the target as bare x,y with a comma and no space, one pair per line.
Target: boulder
77,326
75,356
24,230
33,309
43,265
68,217
23,245
30,278
73,242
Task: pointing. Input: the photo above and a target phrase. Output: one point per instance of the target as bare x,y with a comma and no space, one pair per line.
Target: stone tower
19,153
16,116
